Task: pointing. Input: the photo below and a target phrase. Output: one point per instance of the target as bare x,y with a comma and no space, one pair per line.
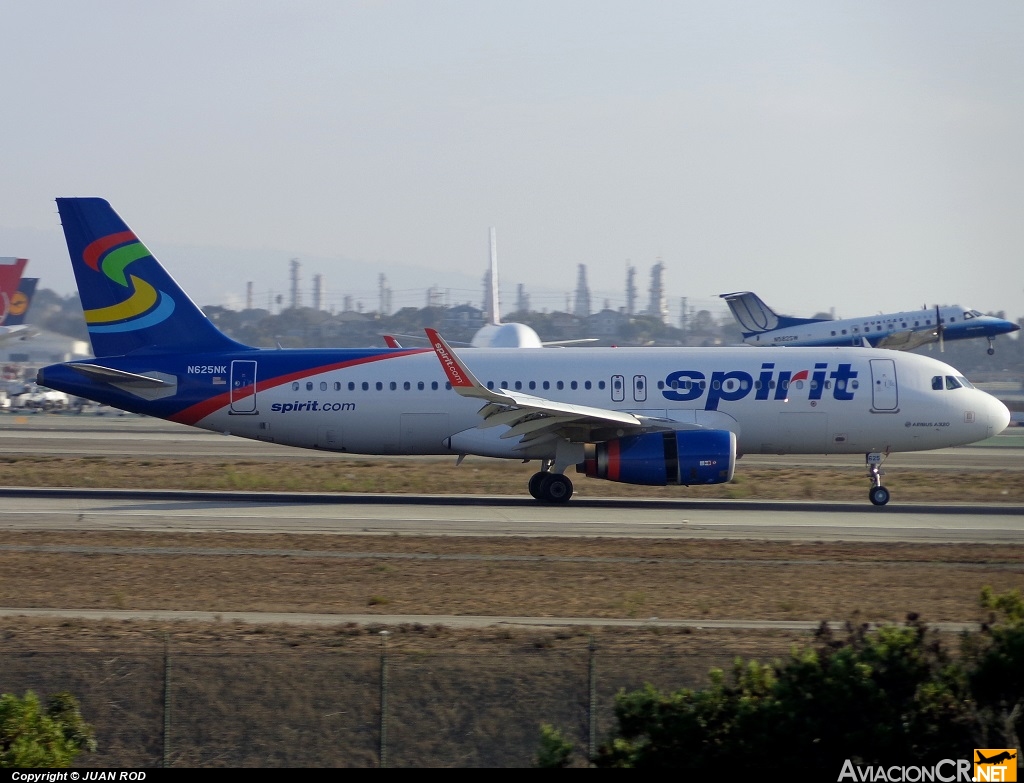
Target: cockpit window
940,382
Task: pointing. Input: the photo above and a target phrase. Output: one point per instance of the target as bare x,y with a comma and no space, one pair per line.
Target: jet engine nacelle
659,458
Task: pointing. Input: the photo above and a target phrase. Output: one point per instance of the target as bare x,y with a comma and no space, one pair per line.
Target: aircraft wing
17,332
530,417
908,339
548,343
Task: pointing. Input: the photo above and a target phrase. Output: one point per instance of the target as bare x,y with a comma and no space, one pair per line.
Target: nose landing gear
878,494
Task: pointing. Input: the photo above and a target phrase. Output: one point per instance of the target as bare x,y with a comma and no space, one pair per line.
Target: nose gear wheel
878,494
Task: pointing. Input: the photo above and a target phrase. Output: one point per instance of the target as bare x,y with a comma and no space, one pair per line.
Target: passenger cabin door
243,386
884,394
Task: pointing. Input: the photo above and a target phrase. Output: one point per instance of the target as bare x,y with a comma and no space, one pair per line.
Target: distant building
606,324
464,316
565,326
44,348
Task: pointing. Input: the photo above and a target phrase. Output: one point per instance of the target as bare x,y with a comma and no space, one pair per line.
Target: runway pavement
449,620
421,515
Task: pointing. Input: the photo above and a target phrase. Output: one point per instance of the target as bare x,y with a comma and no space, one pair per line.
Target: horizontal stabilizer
120,377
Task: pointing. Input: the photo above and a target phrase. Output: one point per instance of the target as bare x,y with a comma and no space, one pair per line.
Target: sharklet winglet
459,376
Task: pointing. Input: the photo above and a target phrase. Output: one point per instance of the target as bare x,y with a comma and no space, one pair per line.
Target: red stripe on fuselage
201,410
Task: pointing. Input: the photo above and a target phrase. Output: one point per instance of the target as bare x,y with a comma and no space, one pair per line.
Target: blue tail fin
130,302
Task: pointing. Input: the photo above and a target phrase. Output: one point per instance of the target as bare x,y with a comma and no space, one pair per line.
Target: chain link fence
176,708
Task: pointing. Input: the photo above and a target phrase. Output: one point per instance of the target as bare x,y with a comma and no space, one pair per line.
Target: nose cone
1002,326
996,414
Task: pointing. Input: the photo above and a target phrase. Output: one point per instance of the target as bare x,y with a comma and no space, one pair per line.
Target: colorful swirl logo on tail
145,306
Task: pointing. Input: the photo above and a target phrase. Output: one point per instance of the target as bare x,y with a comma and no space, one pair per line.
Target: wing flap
530,427
908,340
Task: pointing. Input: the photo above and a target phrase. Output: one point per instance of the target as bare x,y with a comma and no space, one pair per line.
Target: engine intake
659,458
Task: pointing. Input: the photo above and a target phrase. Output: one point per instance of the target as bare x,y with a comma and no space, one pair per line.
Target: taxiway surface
130,435
168,511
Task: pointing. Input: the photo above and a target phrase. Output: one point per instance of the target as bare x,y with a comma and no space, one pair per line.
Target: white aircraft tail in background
494,333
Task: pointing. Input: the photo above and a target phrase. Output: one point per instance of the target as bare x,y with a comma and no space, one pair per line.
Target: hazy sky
861,156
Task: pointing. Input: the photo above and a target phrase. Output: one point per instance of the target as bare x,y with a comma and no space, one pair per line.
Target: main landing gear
549,487
878,494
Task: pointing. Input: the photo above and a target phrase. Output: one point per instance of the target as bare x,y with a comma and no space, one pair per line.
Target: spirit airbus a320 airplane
652,416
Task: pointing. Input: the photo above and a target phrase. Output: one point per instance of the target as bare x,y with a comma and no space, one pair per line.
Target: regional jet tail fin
130,302
755,317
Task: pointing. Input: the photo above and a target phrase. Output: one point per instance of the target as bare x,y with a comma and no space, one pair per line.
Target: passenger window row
904,324
731,384
434,385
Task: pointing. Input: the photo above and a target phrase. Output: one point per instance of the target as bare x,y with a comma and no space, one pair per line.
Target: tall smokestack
318,292
296,291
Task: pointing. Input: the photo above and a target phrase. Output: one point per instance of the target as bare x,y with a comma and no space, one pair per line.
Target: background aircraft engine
660,458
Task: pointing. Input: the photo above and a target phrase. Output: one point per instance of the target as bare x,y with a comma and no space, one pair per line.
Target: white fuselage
906,330
792,401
